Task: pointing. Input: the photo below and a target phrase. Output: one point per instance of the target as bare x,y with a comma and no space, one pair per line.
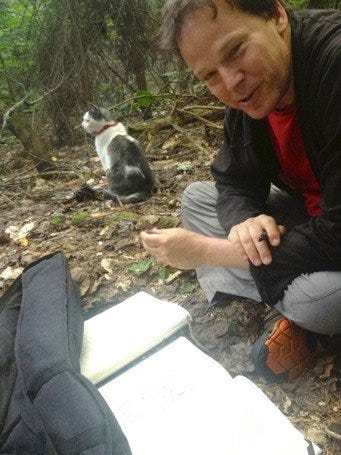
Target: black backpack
46,405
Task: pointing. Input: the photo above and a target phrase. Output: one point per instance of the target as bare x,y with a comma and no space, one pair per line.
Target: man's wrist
220,253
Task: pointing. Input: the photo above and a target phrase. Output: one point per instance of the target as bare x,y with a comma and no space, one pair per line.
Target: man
279,75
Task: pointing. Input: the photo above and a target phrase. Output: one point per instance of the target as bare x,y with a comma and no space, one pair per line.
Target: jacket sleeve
243,185
316,245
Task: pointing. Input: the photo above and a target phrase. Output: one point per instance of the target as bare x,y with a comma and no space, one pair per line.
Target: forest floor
101,241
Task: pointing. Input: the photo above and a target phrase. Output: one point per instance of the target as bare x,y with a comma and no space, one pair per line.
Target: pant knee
313,302
192,194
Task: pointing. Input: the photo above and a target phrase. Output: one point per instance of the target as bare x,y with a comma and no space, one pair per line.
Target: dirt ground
101,242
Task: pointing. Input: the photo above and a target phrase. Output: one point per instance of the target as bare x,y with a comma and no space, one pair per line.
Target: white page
121,334
179,401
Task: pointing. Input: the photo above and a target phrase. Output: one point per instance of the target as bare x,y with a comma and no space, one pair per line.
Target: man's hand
248,238
177,247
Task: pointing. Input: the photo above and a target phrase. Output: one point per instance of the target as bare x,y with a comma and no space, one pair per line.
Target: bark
34,146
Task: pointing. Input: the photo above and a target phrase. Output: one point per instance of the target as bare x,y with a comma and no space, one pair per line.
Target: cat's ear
93,107
95,112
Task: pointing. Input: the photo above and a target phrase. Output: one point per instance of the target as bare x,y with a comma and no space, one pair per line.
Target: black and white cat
129,176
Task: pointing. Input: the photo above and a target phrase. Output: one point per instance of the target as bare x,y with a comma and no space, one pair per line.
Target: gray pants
313,300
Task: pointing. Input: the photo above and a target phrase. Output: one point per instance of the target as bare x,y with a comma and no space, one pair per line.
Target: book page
179,401
122,333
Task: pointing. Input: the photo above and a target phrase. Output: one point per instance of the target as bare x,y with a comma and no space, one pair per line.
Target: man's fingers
257,252
150,239
282,229
233,237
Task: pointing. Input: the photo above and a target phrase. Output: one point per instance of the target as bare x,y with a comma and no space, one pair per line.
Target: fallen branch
202,119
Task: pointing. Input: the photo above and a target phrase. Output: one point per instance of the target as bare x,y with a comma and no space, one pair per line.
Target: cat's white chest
103,140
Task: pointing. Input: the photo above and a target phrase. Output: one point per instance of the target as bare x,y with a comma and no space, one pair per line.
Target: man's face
244,60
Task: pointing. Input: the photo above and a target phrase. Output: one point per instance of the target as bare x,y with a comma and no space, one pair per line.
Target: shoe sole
284,354
287,350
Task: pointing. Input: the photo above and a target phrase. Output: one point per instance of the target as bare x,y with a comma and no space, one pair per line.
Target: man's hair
175,11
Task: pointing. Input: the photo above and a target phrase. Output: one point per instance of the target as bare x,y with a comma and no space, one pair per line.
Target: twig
60,172
3,196
175,106
198,106
189,138
45,94
202,119
8,113
326,383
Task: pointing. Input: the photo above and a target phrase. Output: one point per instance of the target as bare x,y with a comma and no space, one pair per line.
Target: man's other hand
177,247
250,238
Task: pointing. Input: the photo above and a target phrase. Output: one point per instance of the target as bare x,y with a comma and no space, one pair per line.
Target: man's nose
231,77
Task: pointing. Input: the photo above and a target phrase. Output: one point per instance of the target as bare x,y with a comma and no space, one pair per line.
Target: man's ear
281,18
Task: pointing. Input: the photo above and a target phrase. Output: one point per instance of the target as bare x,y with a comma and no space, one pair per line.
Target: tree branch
25,101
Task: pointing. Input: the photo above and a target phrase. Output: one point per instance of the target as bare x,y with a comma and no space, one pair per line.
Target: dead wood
34,146
181,117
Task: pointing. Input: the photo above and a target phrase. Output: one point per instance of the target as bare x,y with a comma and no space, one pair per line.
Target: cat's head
96,118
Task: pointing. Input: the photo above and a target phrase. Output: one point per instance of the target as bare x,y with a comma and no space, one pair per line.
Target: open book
178,400
121,334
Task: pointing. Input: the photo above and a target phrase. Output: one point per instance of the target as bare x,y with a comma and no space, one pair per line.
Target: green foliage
144,98
124,216
298,4
140,267
319,4
165,273
233,325
55,220
16,46
186,288
80,216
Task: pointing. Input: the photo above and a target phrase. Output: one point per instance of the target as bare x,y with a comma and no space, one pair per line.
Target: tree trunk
33,145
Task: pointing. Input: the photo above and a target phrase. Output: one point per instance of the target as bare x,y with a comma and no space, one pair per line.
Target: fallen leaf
106,264
85,286
170,143
16,232
328,368
104,231
124,284
11,273
23,241
151,219
78,273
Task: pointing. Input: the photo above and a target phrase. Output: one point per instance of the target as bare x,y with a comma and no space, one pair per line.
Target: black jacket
246,164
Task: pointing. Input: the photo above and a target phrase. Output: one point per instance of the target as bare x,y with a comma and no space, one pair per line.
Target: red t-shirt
296,170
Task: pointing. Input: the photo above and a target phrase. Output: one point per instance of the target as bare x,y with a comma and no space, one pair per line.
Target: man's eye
234,51
209,76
